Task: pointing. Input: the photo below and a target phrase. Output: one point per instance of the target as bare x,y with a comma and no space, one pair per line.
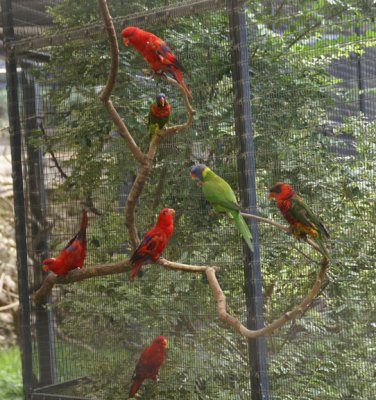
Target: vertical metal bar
246,179
360,78
36,194
18,195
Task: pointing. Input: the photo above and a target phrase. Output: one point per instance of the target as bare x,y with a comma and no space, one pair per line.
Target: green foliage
10,374
329,352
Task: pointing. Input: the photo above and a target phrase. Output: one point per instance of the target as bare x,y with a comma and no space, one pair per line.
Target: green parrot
222,198
159,114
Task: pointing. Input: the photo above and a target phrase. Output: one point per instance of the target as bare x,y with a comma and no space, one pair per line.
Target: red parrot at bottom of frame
149,363
154,242
155,52
302,220
74,253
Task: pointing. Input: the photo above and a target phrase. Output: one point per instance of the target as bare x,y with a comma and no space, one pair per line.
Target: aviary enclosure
283,91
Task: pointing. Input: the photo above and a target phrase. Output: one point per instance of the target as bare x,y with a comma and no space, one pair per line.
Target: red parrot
302,220
149,363
154,241
155,52
73,254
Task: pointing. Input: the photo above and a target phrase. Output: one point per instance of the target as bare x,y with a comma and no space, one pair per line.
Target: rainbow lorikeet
149,363
222,198
302,220
154,242
159,114
155,52
74,253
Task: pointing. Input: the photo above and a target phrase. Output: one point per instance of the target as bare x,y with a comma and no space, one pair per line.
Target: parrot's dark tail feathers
140,273
81,235
324,230
135,386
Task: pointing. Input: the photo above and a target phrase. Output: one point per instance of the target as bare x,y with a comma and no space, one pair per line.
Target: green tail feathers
242,228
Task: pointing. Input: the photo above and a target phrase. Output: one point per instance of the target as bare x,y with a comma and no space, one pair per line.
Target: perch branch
267,221
220,299
9,306
130,206
183,267
106,92
78,275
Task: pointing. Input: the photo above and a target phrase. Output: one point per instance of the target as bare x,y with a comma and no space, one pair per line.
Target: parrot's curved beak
165,344
47,262
271,195
193,175
163,102
171,211
126,41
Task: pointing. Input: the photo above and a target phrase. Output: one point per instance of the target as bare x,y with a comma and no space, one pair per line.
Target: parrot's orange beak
171,211
126,41
193,175
162,101
165,343
45,268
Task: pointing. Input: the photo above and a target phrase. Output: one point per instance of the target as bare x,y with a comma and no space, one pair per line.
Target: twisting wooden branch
278,323
106,92
76,275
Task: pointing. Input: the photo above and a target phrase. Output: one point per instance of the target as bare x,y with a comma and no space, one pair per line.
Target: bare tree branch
77,275
267,221
106,92
220,299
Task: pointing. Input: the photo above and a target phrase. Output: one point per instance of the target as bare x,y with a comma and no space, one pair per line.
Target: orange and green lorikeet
73,255
149,363
153,243
159,114
222,198
155,52
302,220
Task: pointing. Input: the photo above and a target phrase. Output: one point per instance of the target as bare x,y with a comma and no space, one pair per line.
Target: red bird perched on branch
73,254
154,242
149,363
302,220
155,52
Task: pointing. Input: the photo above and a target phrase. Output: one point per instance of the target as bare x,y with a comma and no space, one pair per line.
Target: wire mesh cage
283,92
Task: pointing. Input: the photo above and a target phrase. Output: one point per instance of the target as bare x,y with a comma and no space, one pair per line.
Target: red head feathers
281,191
